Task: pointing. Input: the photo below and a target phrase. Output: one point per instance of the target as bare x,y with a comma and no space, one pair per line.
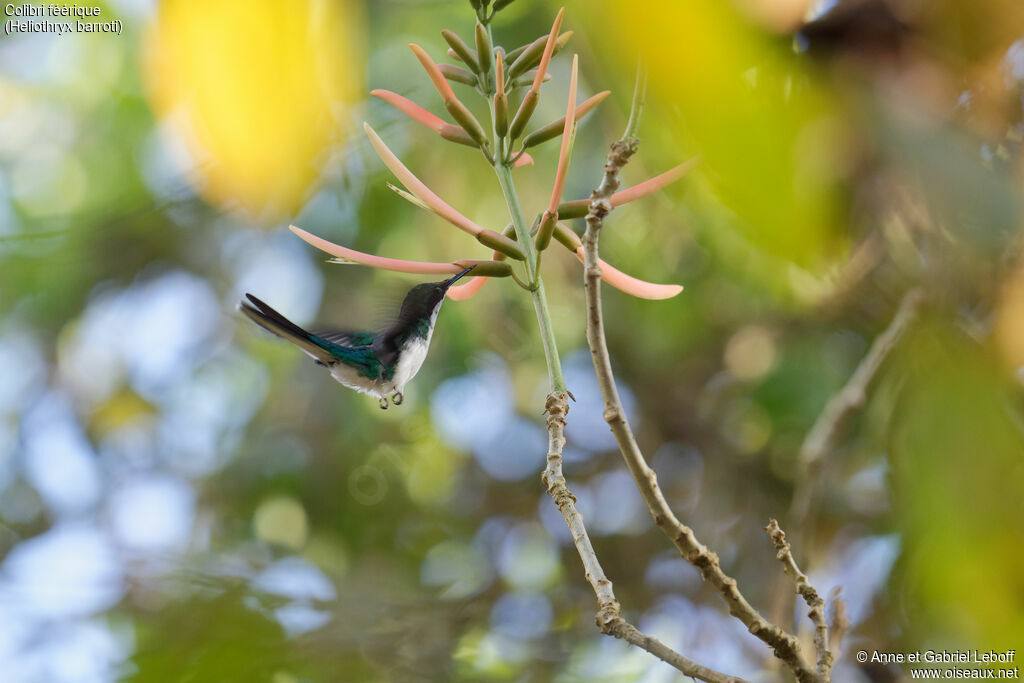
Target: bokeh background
183,497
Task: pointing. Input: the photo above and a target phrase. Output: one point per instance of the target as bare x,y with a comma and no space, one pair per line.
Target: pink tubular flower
654,184
420,115
397,265
465,291
610,274
577,208
499,74
411,109
588,104
566,149
631,285
440,82
549,47
416,186
619,280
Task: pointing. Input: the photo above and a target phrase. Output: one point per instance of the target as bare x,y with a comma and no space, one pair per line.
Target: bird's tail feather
272,321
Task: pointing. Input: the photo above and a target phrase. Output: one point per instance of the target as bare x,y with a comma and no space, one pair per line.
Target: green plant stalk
540,301
503,169
508,188
547,335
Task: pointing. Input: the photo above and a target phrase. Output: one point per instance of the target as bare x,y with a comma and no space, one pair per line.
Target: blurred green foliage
236,515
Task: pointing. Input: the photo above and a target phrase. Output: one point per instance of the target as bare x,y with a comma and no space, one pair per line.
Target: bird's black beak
455,278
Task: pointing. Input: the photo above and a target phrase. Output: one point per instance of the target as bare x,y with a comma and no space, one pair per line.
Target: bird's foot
383,403
397,398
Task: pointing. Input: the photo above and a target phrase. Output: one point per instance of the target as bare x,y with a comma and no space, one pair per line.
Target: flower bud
498,242
528,78
457,74
487,268
465,118
484,49
547,228
457,134
501,113
500,98
528,57
535,225
561,42
499,72
554,129
566,236
461,50
514,53
575,209
522,117
524,58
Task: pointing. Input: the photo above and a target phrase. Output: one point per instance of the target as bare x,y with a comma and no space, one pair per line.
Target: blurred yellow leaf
257,90
958,483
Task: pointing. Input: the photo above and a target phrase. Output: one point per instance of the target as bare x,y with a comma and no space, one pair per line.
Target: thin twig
822,435
783,644
609,618
863,259
840,621
842,405
808,593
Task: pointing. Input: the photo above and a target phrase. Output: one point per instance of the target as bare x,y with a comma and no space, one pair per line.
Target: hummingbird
375,363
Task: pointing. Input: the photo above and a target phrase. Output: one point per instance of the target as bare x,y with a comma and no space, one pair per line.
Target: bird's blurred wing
362,358
346,338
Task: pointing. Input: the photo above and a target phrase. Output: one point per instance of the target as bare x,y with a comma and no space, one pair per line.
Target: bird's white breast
413,354
410,362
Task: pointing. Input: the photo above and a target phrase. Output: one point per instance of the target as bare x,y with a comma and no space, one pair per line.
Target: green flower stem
547,334
508,188
503,169
540,301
